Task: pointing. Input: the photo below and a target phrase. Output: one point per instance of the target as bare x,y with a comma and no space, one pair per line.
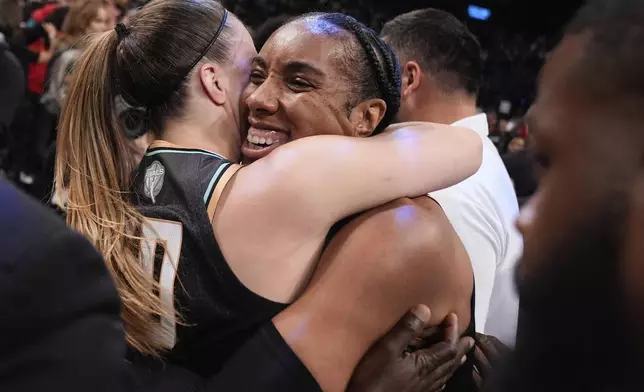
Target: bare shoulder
413,240
414,224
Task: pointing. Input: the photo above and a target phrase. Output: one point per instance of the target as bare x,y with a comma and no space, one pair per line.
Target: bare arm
319,180
273,217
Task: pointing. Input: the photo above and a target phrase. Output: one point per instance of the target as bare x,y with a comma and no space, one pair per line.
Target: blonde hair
97,204
93,163
79,17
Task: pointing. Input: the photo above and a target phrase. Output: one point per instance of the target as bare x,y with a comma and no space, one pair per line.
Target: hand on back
390,366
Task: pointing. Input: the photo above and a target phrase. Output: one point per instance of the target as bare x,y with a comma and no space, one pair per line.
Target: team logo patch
153,181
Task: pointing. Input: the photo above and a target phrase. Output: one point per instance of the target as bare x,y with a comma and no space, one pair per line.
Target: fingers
437,364
451,328
481,362
478,380
407,329
488,350
465,345
491,346
430,336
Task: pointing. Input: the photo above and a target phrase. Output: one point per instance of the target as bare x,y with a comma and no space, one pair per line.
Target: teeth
260,140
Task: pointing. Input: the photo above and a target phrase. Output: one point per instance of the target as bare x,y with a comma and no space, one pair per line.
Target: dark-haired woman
187,63
292,87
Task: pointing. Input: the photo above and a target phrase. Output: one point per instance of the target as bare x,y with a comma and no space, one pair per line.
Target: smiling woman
342,80
238,244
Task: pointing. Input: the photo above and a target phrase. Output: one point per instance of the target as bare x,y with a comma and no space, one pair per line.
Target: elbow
473,145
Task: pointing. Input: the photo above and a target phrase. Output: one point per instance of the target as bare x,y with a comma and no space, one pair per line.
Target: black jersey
177,190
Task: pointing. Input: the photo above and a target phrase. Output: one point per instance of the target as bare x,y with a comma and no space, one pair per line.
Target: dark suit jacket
60,327
12,85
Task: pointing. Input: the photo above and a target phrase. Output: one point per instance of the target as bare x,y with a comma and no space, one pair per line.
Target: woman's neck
218,137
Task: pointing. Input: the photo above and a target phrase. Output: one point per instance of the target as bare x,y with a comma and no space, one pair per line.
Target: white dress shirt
482,209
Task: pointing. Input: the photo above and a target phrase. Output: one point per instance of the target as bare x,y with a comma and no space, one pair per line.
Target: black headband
161,93
210,44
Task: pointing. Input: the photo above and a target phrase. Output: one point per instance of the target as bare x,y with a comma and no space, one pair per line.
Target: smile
260,142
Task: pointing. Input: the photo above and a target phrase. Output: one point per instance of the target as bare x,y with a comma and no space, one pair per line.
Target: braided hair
373,65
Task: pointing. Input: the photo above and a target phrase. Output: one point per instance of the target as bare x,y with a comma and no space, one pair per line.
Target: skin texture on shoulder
375,268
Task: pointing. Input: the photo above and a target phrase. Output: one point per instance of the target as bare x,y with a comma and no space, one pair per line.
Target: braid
381,60
391,89
376,65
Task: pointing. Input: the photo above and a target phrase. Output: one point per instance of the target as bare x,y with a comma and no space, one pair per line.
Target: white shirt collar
477,123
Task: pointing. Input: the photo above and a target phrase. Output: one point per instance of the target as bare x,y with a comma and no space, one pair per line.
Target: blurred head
194,70
10,14
516,144
320,74
439,58
584,256
492,120
503,125
87,17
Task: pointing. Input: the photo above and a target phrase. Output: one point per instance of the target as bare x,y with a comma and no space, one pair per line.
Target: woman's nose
265,98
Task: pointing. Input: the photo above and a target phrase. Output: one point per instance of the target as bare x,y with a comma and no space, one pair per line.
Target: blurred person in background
496,132
19,37
63,330
82,19
580,279
503,125
12,91
195,84
23,159
117,9
520,162
12,86
85,18
36,73
441,73
516,144
492,120
522,168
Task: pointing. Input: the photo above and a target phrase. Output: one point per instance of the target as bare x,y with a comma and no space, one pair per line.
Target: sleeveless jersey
177,190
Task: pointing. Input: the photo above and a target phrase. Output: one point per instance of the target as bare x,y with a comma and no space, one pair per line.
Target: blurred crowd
39,44
40,41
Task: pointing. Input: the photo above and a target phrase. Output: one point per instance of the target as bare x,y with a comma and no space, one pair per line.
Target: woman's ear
213,82
366,116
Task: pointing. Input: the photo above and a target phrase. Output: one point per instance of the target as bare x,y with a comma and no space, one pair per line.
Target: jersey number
169,236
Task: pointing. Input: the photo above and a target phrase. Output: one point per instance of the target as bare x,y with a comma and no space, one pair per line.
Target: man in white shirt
441,71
